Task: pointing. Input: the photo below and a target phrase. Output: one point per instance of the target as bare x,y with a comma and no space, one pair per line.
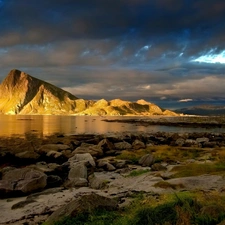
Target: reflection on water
46,125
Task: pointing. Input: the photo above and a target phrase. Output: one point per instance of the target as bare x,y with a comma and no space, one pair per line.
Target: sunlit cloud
211,57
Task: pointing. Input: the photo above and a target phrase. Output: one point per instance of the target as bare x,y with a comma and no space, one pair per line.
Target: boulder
44,167
106,145
78,170
27,155
180,142
158,167
191,143
146,160
82,204
102,163
94,150
138,145
85,157
202,140
22,181
123,145
44,149
77,176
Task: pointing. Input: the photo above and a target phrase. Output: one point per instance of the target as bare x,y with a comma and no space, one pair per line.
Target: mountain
21,93
204,110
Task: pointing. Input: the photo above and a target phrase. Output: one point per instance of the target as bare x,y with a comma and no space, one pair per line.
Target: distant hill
204,110
21,93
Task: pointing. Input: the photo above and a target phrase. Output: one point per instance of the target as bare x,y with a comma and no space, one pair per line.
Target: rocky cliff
21,93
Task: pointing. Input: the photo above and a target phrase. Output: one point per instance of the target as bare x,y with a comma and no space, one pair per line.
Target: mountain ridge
23,94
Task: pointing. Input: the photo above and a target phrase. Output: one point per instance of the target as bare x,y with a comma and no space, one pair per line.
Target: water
18,125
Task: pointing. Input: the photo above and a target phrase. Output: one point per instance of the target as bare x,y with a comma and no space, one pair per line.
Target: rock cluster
80,161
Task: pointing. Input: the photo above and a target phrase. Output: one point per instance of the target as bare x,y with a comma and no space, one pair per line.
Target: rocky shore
43,179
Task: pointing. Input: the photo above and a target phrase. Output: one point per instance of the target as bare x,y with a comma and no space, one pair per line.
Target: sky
157,50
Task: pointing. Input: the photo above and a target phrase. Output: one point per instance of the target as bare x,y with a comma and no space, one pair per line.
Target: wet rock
83,204
146,160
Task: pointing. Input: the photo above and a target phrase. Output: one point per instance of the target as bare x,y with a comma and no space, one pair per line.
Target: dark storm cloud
116,48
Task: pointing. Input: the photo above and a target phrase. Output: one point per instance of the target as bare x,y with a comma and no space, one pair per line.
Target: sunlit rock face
21,93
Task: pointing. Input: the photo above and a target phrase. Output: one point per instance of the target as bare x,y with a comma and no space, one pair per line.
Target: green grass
188,208
196,169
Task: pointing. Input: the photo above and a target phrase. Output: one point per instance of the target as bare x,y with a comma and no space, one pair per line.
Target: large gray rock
83,204
79,170
147,160
85,157
77,176
22,181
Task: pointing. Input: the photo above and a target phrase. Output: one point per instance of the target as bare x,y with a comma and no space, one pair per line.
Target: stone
54,154
85,157
94,150
122,145
82,204
45,167
106,145
191,143
138,145
158,167
180,142
102,163
146,160
22,181
28,155
44,149
202,140
78,170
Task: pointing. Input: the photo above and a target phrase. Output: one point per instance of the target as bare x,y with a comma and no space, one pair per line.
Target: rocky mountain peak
21,93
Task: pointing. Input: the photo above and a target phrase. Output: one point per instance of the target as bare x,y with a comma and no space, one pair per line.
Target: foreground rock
83,204
21,181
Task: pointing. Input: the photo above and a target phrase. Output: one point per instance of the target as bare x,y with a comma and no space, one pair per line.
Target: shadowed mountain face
21,93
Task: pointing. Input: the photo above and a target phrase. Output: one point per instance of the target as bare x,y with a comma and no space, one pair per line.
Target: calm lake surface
18,125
